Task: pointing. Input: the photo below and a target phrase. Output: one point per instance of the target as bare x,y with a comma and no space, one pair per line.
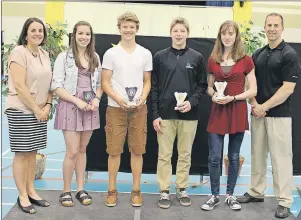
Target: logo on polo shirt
188,66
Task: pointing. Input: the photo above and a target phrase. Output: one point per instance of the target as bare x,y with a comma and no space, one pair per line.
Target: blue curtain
220,3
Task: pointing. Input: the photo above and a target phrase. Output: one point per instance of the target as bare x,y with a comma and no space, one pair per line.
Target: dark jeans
216,143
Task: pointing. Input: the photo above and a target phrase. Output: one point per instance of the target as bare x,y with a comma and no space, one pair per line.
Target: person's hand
140,102
123,103
258,110
40,114
83,105
184,107
95,104
214,99
157,125
46,109
226,100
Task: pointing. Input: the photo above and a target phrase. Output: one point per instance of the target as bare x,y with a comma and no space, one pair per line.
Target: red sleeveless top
232,117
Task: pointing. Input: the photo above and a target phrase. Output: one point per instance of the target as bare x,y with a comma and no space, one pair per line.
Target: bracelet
213,93
97,97
48,103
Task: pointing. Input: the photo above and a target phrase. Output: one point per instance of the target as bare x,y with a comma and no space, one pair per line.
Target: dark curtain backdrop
96,150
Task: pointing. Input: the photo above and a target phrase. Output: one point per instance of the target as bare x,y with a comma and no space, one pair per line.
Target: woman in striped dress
27,108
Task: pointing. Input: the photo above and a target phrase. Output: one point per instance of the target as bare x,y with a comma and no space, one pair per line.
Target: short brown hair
238,50
23,36
274,14
179,20
128,16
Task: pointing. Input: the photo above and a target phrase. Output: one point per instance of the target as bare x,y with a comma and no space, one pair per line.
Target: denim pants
216,143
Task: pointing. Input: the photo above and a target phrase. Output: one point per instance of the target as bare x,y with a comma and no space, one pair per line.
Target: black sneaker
211,203
183,197
246,198
233,203
164,201
282,212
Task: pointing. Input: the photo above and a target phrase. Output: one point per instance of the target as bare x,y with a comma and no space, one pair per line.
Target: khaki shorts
121,123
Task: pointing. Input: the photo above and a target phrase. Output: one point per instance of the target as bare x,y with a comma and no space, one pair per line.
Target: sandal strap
65,200
65,194
79,193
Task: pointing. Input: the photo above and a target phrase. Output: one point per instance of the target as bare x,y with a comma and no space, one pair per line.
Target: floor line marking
6,203
137,214
4,153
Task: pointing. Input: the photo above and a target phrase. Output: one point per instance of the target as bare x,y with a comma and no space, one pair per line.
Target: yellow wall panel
54,11
243,14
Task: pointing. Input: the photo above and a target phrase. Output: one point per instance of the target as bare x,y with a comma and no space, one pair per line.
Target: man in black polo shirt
176,69
277,69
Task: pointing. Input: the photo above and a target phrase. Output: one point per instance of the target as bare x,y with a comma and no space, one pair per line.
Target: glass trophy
180,97
131,92
220,87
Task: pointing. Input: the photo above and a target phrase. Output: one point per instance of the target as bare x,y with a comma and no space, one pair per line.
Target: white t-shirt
128,70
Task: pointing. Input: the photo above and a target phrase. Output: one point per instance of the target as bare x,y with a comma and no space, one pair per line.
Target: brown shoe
137,199
111,198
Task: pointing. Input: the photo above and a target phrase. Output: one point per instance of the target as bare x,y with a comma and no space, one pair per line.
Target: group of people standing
127,75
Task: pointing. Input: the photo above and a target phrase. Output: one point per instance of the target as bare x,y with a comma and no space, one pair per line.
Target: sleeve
107,62
291,69
155,87
18,56
98,83
58,76
149,64
201,82
249,64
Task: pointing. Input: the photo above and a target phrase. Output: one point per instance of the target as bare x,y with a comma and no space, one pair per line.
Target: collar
279,47
179,52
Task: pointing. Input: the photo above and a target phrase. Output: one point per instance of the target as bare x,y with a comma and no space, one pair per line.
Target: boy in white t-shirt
126,79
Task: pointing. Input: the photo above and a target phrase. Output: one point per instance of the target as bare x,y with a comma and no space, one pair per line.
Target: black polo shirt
272,68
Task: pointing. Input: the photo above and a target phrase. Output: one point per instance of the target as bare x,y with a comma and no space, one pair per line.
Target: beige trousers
185,131
274,135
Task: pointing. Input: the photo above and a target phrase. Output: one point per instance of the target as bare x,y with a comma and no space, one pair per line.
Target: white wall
291,12
12,26
155,19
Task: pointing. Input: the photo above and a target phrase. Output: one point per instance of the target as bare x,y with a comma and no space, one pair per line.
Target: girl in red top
228,63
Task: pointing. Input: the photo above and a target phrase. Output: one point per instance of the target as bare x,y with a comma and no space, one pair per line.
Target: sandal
83,197
63,199
28,209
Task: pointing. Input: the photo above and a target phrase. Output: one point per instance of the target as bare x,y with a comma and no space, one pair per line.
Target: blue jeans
216,143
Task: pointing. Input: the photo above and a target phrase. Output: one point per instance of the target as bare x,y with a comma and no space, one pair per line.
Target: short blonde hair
179,20
128,16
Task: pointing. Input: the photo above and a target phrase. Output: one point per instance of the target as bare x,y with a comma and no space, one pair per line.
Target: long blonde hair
93,60
238,50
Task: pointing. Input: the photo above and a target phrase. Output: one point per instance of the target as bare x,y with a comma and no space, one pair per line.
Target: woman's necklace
227,59
35,55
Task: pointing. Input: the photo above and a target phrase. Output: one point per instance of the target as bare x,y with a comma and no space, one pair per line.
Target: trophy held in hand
131,92
220,87
180,97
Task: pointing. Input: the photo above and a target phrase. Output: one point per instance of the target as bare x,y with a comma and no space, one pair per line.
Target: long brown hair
90,51
238,50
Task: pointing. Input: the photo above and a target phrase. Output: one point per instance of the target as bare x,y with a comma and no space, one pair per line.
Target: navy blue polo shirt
272,68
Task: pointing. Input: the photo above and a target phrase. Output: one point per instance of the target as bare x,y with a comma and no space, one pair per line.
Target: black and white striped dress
26,133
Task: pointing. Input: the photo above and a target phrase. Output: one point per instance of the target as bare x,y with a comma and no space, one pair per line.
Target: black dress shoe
282,212
28,209
42,202
246,198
